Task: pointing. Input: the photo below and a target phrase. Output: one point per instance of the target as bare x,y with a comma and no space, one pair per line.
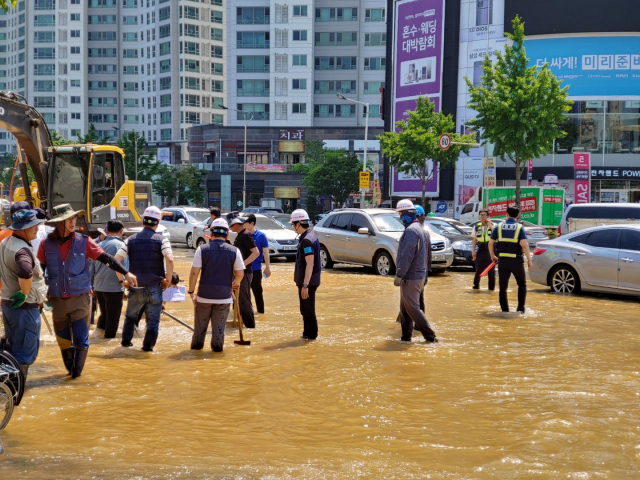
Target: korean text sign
582,176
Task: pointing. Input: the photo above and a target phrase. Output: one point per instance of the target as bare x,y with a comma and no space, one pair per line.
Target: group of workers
68,268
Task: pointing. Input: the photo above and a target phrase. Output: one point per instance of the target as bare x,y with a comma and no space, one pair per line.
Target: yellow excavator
89,177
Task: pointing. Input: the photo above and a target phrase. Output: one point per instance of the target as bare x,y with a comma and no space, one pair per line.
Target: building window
216,34
336,14
165,100
337,86
190,83
44,69
129,20
131,103
165,118
75,33
298,108
75,116
216,51
75,83
130,53
101,52
165,83
44,5
216,17
131,86
217,86
44,86
299,10
252,15
374,15
341,111
189,100
188,65
217,69
336,38
252,88
43,37
130,70
252,40
75,100
75,51
45,20
44,53
44,102
375,39
299,84
165,134
375,63
253,64
260,111
76,132
129,3
165,48
165,66
299,35
75,67
374,111
299,60
373,87
165,30
129,37
164,13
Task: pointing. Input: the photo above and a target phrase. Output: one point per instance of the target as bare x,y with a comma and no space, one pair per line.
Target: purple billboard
418,56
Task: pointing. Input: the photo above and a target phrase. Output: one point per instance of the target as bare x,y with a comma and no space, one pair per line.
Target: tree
92,137
57,139
416,142
165,184
147,166
4,5
519,109
192,187
334,174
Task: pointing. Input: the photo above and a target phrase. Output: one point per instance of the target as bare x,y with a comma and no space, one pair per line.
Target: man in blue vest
511,243
306,272
65,256
147,251
220,268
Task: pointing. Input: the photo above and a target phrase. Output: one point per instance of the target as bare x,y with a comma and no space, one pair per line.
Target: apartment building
152,66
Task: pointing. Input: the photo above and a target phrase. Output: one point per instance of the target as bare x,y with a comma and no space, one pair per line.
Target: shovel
46,322
177,320
236,311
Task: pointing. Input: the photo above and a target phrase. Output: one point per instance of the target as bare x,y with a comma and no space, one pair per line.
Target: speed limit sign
444,141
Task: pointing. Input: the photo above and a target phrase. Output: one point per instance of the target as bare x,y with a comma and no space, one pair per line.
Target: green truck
542,206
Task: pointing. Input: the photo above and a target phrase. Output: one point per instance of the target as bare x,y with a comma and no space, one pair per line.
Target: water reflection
553,393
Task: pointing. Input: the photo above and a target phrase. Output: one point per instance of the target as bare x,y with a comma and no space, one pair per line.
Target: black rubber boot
78,364
68,355
24,368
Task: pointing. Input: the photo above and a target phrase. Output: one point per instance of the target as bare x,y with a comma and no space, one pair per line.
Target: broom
236,312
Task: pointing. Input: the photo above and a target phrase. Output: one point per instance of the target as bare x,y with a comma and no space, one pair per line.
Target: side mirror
363,231
181,220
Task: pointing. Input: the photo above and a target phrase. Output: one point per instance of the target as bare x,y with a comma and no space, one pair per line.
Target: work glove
17,299
397,281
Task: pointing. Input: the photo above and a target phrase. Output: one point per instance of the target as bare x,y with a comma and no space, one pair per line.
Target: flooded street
553,394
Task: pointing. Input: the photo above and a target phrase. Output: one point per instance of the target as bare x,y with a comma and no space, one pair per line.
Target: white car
181,221
161,229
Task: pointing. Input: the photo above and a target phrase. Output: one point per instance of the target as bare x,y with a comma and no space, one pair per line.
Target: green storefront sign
539,205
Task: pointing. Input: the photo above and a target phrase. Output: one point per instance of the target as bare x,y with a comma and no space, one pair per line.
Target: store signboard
591,66
164,155
490,172
286,192
615,173
291,146
582,177
407,185
542,206
291,134
264,167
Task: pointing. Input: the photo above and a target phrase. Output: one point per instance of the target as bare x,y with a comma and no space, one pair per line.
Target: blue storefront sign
591,66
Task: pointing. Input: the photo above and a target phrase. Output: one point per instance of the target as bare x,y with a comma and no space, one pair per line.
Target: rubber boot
24,368
78,364
68,355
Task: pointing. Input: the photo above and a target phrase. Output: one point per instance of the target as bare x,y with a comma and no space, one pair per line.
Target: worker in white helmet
411,272
148,252
307,272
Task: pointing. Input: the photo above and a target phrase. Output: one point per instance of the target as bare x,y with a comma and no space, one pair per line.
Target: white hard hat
219,223
405,204
153,212
299,215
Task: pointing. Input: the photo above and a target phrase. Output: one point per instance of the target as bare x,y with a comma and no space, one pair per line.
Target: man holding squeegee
221,269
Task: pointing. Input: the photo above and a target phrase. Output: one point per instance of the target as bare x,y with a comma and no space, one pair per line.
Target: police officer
481,237
65,256
147,251
512,242
307,272
220,268
411,271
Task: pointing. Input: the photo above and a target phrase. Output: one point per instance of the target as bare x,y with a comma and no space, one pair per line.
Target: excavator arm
32,134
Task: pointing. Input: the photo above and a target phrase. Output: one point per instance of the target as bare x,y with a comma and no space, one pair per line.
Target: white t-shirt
237,265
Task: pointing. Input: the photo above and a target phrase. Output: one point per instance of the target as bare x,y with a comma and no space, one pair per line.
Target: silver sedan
602,259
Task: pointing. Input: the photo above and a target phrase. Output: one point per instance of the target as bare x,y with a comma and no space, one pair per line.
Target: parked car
580,216
370,237
534,233
283,242
282,218
265,210
180,221
601,259
466,229
161,229
460,241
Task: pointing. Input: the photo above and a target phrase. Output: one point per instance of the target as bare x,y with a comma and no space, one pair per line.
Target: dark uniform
509,252
483,256
308,245
245,243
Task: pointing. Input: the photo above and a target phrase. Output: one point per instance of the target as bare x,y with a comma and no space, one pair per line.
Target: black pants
308,312
507,266
483,260
110,310
244,301
256,288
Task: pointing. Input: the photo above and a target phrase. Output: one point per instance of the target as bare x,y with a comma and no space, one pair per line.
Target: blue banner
591,66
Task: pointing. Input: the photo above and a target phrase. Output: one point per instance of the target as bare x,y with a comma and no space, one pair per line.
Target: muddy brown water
553,394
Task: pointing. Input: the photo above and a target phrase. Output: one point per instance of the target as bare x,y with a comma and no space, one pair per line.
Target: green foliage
4,5
188,184
92,137
416,142
147,165
519,109
165,184
330,173
57,139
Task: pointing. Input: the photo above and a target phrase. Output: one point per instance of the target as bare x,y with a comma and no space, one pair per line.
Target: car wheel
189,240
383,264
564,279
325,258
200,242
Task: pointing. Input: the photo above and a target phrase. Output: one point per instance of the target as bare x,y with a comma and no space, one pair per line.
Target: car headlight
447,243
462,245
271,240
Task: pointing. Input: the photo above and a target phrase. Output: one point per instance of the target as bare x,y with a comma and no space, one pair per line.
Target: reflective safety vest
508,243
483,234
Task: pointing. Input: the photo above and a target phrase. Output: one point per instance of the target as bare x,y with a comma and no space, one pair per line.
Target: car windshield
264,223
196,216
388,222
445,227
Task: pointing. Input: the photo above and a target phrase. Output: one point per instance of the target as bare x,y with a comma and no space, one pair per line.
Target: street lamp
366,132
135,155
244,170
